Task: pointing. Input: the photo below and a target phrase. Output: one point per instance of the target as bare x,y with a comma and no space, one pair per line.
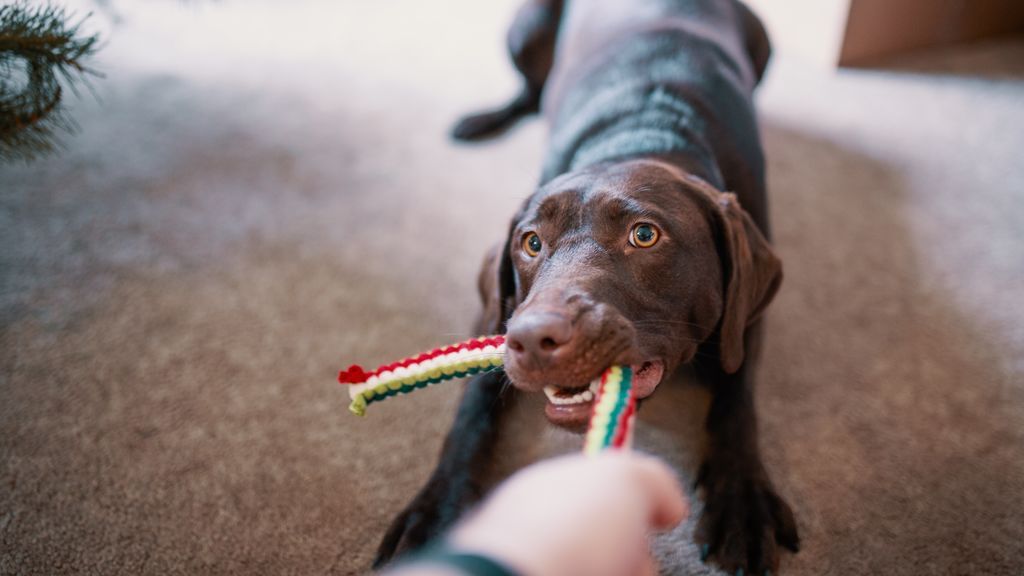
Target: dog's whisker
668,322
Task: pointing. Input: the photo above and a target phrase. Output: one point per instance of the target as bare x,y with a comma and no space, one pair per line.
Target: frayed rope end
358,406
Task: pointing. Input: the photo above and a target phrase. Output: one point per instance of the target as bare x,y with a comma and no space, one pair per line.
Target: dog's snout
537,336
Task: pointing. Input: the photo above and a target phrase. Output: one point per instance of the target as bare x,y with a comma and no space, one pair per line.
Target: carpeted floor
263,193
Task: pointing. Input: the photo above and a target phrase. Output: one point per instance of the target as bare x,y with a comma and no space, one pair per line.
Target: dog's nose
538,335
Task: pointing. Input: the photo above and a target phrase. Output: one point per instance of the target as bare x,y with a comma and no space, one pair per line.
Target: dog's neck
666,127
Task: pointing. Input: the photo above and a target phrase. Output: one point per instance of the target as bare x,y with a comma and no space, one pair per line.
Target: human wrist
505,545
444,559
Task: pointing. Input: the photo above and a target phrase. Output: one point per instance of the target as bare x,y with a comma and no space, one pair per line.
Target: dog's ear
497,286
751,273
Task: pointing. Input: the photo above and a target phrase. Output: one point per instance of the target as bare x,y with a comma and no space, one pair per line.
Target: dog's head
633,263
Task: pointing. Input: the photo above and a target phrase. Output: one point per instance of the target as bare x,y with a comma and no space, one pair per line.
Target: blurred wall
857,32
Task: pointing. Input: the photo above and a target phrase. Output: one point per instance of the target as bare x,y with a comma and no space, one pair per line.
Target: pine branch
40,54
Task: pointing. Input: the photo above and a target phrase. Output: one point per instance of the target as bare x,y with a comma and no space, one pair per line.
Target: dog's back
659,78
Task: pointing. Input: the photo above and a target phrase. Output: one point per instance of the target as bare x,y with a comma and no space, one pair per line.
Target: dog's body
630,252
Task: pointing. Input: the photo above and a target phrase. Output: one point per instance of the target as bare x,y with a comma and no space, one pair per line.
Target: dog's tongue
646,377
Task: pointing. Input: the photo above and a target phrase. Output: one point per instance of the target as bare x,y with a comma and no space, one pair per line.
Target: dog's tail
492,123
758,45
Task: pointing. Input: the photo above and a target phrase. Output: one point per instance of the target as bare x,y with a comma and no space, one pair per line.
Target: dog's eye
644,235
532,244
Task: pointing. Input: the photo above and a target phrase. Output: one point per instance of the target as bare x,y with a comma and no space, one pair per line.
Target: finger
666,503
646,565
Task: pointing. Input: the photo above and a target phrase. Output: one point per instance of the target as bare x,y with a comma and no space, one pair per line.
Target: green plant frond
41,53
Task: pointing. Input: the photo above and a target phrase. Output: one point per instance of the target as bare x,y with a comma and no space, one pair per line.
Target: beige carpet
243,213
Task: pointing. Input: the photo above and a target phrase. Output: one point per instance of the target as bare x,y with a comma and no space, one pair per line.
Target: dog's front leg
455,484
744,519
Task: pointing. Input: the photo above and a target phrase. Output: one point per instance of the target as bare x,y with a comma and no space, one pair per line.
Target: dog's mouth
571,407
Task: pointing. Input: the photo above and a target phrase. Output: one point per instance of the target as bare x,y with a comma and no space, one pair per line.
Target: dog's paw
421,520
744,522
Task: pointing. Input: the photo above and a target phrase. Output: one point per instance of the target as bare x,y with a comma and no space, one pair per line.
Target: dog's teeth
550,392
594,386
579,398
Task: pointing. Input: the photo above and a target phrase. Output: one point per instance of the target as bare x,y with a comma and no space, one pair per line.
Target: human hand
576,515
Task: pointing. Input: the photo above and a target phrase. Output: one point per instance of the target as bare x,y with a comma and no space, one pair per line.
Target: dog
645,244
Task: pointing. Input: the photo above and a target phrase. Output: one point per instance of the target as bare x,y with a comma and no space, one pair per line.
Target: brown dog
630,252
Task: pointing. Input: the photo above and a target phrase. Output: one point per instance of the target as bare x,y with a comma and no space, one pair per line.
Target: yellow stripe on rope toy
611,422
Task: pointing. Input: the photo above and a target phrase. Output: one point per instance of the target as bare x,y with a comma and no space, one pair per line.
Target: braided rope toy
455,361
611,422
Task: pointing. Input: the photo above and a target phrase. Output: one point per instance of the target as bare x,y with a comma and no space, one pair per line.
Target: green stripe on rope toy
611,422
